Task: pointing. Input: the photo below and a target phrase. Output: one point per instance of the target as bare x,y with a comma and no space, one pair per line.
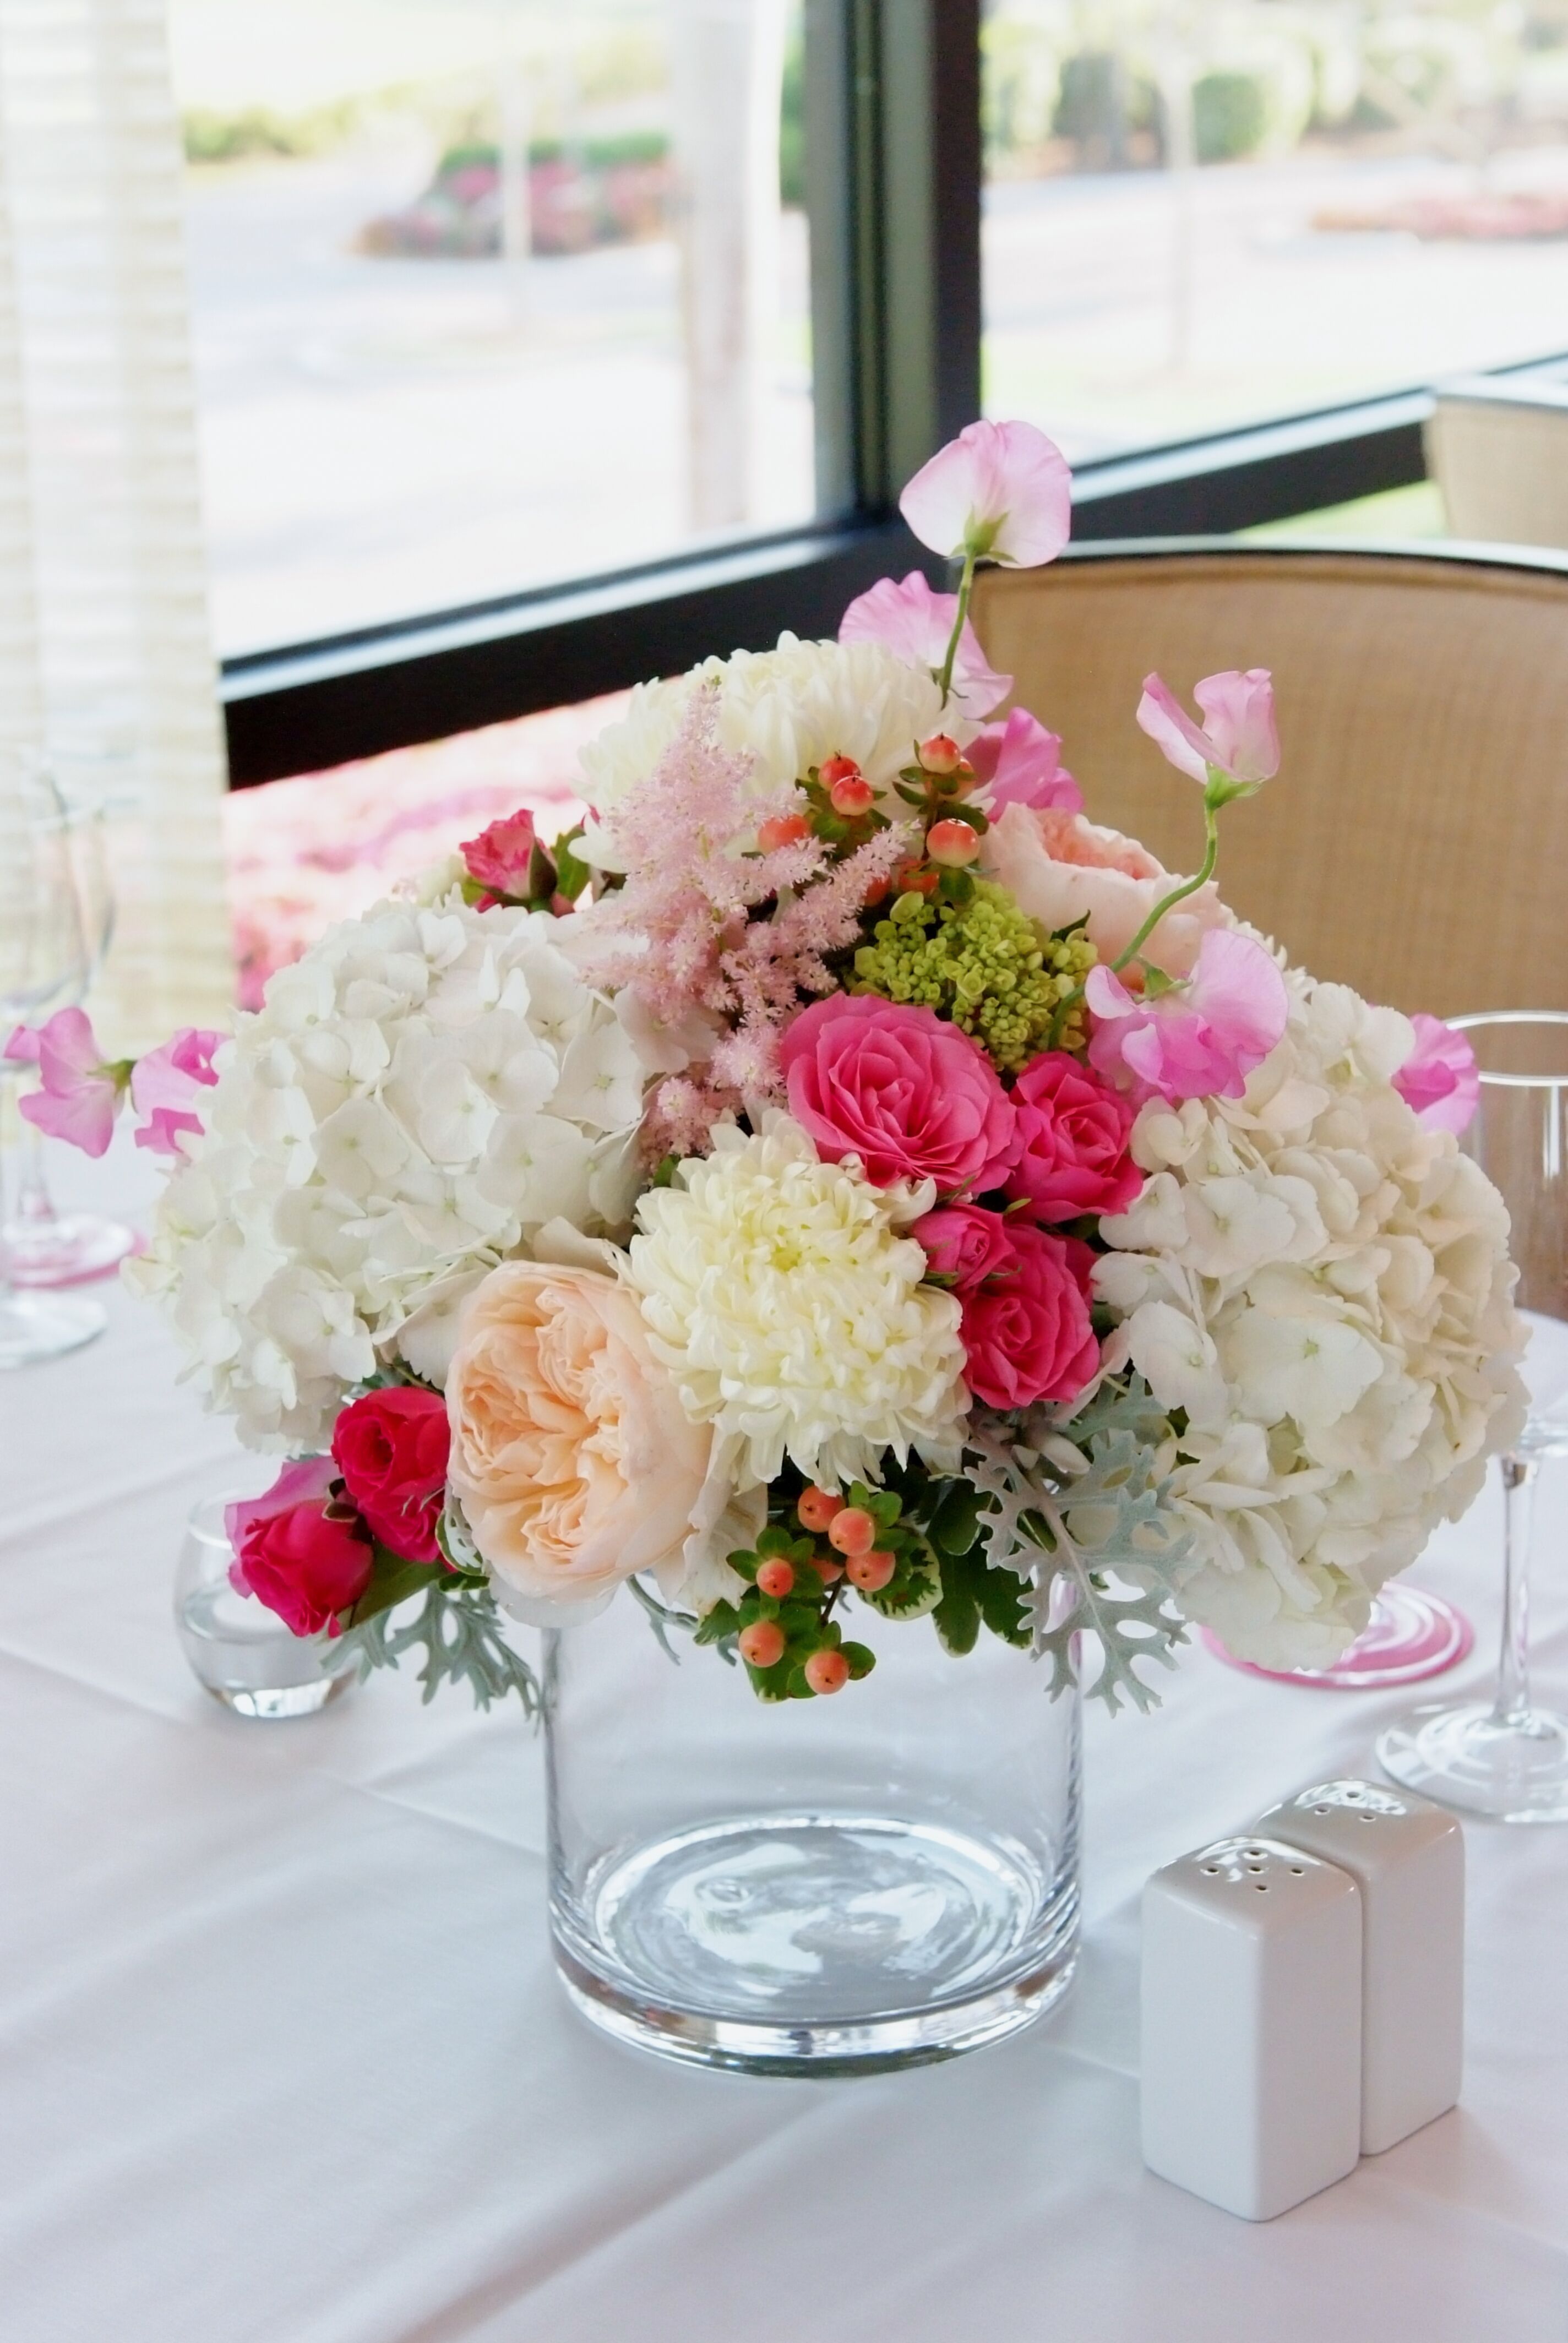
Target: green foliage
459,1629
1230,115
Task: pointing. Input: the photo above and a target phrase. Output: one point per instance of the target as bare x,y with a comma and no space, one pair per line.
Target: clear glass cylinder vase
837,1886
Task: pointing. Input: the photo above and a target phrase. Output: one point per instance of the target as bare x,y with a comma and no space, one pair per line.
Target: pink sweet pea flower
1019,763
1439,1079
501,857
1241,737
79,1091
1202,1038
1000,490
165,1086
916,624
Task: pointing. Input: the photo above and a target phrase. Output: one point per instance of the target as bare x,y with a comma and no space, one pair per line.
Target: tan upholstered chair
1415,843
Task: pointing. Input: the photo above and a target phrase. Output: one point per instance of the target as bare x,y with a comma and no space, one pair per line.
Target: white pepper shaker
1252,1998
1407,1857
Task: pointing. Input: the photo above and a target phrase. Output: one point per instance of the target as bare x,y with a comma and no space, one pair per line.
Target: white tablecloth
283,2058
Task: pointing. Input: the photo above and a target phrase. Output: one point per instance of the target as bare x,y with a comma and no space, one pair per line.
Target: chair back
1414,843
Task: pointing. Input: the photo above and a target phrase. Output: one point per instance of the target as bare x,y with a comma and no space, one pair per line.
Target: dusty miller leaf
459,1629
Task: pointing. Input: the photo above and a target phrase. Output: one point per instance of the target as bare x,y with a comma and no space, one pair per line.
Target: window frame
892,102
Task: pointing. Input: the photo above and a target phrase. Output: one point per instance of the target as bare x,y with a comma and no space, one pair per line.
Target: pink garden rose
391,1447
79,1091
1061,868
916,623
1073,1131
501,857
1027,1333
1000,490
165,1085
1019,762
1201,1039
904,1090
1438,1080
965,1243
1239,738
295,1550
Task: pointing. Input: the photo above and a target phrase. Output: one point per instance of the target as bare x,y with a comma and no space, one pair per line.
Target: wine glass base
38,1326
1411,1635
1514,1772
68,1250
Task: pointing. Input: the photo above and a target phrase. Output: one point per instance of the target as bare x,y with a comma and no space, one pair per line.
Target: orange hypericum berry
852,1531
817,1508
952,844
940,754
762,1643
837,768
852,796
782,829
776,1578
870,1572
826,1671
828,1568
914,880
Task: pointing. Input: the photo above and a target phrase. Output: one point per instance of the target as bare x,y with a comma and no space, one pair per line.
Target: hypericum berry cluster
783,1627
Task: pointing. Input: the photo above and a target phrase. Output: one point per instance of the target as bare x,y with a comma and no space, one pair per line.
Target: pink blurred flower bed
323,846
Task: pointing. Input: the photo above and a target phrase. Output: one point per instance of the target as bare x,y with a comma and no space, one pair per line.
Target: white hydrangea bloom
417,1097
789,709
1323,1287
781,1296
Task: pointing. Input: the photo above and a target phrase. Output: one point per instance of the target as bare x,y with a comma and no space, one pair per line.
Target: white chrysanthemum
780,1293
417,1096
1322,1286
789,709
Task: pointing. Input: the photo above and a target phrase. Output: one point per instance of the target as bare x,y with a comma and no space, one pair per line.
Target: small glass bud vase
829,1886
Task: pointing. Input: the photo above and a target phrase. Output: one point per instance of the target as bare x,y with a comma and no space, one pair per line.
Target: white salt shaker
1407,1857
1251,2025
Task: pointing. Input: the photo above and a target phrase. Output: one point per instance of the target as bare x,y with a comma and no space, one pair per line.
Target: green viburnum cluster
985,965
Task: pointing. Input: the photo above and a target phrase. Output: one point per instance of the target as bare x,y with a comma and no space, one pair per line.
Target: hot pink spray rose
908,1093
1201,1039
1027,1333
1240,737
165,1085
915,622
501,857
80,1091
1073,1132
1000,490
1019,763
391,1447
1439,1079
965,1243
297,1553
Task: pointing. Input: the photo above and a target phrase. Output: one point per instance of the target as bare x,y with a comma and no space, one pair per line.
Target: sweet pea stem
1178,894
966,588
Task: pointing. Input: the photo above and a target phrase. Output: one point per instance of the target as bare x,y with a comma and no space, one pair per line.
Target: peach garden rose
573,1459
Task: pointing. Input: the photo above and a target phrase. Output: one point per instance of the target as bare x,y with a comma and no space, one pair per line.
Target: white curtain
106,657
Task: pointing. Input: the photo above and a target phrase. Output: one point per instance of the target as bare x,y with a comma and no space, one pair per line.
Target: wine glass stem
1512,1703
34,1205
6,1093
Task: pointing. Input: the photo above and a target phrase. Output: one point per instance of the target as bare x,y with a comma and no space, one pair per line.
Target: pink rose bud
1075,1131
1000,490
940,754
965,1243
296,1554
952,844
782,829
1027,1332
392,1448
501,856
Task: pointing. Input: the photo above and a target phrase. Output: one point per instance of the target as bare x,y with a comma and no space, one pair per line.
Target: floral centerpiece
841,1187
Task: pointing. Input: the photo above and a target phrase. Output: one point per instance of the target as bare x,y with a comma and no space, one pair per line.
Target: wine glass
43,962
46,1247
1506,1757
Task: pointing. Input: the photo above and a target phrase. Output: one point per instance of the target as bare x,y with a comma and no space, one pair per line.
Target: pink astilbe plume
691,929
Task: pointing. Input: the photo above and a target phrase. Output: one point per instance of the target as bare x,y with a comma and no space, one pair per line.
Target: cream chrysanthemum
778,1291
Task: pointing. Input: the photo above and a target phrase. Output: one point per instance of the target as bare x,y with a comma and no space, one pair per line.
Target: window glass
486,297
1200,212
